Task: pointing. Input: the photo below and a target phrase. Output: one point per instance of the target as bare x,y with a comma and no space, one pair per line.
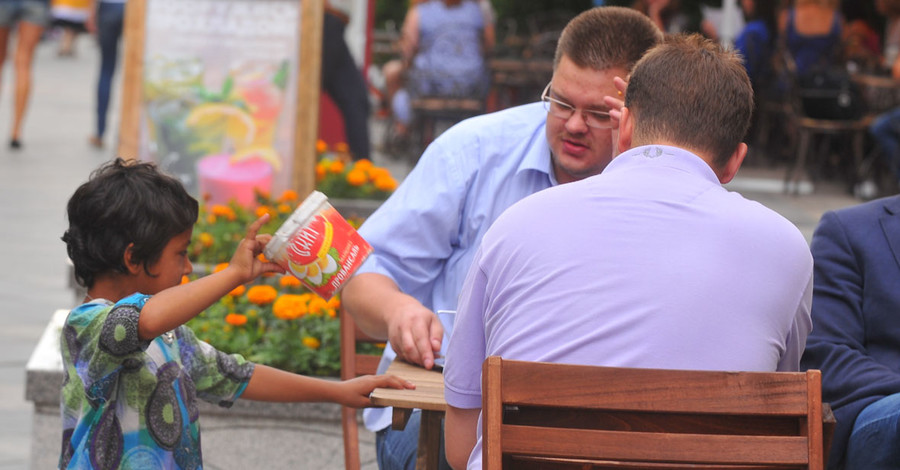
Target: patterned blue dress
128,403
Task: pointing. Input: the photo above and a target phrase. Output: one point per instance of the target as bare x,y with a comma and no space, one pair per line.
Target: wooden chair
541,415
429,111
827,132
353,365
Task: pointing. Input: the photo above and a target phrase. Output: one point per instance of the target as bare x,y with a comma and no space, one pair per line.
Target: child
133,371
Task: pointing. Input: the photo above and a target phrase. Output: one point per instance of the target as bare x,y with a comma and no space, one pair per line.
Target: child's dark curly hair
124,202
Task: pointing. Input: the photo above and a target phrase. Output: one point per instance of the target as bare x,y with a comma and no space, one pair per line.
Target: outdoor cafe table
428,396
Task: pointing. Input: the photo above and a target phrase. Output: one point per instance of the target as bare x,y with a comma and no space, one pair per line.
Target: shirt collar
665,155
539,159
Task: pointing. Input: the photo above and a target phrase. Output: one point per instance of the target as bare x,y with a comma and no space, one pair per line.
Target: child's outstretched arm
271,384
176,305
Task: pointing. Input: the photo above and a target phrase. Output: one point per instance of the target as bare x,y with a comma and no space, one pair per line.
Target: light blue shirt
425,236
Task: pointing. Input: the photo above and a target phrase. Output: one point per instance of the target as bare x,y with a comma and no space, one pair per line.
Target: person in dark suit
855,340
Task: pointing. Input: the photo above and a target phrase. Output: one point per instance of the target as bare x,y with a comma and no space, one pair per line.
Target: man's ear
626,130
731,168
133,268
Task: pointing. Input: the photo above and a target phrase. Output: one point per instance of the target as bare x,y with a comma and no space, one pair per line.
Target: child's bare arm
174,306
270,384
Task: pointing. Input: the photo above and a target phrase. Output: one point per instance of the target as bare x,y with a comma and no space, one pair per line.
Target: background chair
881,93
541,415
353,365
830,90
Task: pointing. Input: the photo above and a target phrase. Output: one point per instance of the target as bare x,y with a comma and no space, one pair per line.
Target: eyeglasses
563,110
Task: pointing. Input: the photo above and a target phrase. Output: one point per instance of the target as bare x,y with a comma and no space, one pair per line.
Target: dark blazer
855,339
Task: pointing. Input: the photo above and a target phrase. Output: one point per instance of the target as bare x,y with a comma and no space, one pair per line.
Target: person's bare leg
4,39
28,38
67,42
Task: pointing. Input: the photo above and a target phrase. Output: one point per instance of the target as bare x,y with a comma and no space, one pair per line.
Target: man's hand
616,103
415,334
355,392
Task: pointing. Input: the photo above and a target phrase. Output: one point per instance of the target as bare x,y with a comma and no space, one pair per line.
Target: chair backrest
572,416
353,365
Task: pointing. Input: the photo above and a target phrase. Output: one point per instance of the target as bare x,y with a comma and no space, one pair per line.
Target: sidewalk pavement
35,183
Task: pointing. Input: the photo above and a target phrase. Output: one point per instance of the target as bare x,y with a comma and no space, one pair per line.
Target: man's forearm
368,298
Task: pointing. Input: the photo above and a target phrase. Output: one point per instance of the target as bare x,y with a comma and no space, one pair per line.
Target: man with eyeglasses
425,235
651,264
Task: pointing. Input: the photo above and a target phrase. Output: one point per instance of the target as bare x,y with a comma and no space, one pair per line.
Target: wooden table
428,396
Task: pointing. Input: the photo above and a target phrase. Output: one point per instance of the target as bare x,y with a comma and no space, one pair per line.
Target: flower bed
276,321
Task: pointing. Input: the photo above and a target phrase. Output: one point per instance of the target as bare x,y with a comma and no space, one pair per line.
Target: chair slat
612,417
674,391
655,447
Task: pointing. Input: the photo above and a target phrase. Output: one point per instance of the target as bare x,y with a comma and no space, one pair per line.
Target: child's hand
246,258
355,392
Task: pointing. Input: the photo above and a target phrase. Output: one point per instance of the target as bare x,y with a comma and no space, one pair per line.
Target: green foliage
243,323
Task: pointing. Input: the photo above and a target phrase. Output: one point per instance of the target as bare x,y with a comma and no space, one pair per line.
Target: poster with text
219,94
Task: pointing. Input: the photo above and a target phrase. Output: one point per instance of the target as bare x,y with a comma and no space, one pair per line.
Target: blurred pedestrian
106,21
29,17
70,17
757,40
344,82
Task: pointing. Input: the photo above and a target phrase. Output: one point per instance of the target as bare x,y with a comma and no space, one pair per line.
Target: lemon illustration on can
310,254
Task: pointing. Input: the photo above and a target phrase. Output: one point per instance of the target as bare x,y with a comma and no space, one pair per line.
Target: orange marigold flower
321,146
357,178
236,319
263,210
205,239
341,147
321,171
337,167
289,307
363,164
317,305
385,183
210,219
224,211
334,302
377,172
285,208
288,195
185,279
262,294
331,313
311,343
220,267
238,291
289,281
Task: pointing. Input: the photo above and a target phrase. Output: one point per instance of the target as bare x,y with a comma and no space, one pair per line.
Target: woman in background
30,17
812,30
443,45
107,21
757,40
69,16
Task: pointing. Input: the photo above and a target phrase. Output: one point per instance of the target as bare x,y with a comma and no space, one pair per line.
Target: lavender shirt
650,264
